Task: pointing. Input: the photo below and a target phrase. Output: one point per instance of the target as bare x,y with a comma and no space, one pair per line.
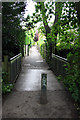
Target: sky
31,9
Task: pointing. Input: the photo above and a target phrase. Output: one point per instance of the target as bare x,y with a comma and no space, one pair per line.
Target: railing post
25,49
58,65
6,63
9,72
15,66
28,51
6,68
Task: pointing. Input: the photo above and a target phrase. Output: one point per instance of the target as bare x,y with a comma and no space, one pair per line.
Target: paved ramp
24,101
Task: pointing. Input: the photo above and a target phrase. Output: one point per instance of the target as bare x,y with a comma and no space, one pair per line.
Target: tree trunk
49,32
56,24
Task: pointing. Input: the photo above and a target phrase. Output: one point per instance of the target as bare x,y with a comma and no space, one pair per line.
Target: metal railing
58,65
15,67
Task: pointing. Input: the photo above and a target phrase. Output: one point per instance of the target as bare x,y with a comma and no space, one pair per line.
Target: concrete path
24,100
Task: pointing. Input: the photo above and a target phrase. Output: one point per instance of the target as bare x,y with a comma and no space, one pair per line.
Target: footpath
24,100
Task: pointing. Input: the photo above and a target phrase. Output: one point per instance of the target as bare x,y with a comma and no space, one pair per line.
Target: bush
6,87
72,78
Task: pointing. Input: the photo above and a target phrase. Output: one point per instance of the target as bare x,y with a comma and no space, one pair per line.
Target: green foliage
72,81
62,34
67,40
4,75
6,87
59,78
40,42
29,37
43,50
13,35
72,78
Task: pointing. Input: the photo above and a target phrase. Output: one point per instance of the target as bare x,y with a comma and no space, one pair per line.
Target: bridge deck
24,100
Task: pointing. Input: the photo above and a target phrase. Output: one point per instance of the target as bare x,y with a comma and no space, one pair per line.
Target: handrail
15,57
15,66
64,59
58,65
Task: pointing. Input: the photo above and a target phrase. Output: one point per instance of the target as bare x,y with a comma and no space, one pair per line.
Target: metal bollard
43,82
43,98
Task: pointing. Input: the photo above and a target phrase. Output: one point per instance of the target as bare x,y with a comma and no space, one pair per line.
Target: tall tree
44,12
12,33
77,7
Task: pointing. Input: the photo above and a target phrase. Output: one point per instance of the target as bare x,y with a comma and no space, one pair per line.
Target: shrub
6,87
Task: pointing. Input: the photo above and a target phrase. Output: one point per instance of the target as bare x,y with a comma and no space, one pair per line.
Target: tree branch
58,11
43,11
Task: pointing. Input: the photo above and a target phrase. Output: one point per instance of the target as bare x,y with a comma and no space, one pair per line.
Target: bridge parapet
12,67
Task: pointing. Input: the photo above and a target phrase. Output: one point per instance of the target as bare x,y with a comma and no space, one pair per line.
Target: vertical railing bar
15,64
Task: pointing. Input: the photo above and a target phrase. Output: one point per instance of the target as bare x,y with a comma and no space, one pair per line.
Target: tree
13,35
44,12
77,4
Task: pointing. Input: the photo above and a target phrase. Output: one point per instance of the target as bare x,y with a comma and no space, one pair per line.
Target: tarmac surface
27,100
